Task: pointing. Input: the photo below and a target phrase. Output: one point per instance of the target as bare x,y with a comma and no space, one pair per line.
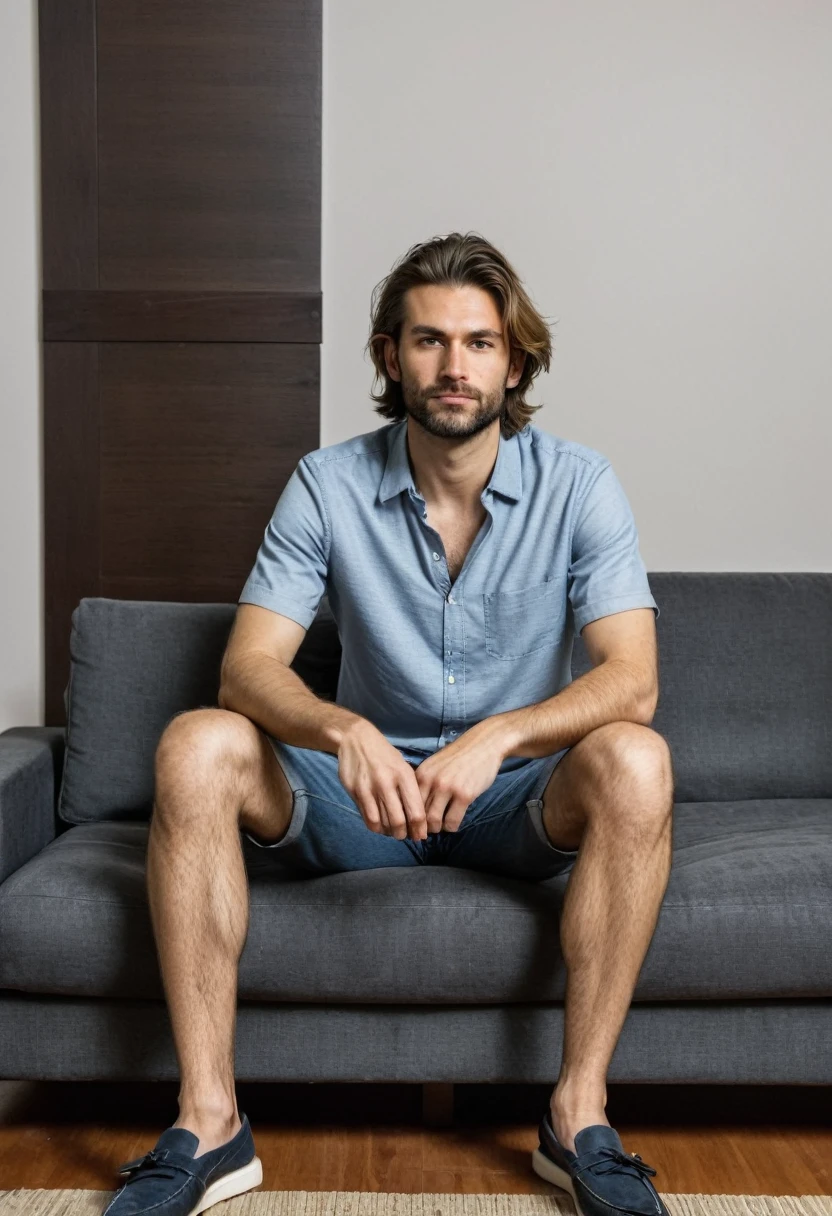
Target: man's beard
453,421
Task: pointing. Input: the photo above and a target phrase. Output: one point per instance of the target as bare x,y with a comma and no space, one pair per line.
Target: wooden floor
350,1137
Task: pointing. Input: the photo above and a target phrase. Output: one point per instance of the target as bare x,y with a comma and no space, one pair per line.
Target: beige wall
659,175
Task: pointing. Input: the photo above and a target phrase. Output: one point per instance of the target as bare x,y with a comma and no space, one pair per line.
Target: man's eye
477,341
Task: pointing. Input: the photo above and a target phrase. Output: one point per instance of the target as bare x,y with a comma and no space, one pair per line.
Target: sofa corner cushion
135,664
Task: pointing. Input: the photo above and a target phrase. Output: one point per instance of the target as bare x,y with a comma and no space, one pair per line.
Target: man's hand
453,777
380,782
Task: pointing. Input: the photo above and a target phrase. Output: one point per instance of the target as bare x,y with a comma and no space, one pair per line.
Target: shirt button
436,557
451,599
453,732
451,680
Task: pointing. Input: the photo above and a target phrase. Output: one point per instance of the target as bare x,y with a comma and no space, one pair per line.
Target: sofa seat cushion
747,913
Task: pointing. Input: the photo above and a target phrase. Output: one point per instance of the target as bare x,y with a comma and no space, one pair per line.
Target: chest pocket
520,622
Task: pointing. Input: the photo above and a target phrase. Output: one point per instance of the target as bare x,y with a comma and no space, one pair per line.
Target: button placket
453,645
452,698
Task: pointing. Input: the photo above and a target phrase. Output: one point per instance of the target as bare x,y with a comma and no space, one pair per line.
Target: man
460,548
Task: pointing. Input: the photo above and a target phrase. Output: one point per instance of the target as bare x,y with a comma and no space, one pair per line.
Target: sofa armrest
31,761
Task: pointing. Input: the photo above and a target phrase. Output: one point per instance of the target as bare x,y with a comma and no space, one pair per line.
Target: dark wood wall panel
209,144
180,173
68,143
171,482
71,500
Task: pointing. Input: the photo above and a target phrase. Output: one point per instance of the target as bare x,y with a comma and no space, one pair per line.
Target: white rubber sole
554,1174
231,1184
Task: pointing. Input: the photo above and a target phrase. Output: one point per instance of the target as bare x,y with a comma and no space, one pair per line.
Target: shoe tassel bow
149,1164
610,1160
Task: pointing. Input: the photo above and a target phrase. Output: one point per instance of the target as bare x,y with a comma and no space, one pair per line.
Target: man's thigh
562,813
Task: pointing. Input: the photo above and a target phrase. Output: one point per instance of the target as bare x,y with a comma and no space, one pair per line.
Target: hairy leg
215,771
612,795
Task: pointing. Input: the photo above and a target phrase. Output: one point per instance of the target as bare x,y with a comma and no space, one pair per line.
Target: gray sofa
434,974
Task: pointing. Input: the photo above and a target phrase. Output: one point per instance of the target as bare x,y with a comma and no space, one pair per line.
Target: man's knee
204,742
624,752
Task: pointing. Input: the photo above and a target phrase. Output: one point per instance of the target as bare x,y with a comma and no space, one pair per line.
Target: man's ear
516,365
391,357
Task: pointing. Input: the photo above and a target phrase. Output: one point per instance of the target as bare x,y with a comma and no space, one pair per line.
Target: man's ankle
571,1098
211,1116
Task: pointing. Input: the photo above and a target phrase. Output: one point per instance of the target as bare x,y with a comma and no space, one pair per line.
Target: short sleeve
290,571
606,573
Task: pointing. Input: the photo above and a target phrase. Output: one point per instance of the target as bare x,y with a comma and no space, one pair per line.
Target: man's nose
453,365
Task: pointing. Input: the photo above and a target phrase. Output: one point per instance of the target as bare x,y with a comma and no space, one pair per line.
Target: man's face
453,343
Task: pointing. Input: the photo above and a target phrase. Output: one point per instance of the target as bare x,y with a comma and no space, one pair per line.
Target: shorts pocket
520,622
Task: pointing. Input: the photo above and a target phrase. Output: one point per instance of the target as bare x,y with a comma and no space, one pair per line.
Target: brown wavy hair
460,260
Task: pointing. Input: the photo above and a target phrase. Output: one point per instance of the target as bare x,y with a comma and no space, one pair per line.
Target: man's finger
436,807
395,814
411,797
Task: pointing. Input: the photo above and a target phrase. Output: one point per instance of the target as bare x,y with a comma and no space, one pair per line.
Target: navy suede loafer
170,1181
601,1178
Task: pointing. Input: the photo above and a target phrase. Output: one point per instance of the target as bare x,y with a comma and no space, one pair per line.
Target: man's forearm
276,699
611,692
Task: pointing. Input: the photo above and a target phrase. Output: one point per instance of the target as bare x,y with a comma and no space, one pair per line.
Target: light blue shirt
423,658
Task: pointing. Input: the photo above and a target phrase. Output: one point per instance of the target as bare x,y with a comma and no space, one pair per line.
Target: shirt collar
506,477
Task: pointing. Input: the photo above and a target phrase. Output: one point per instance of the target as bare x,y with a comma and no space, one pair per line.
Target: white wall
659,175
21,477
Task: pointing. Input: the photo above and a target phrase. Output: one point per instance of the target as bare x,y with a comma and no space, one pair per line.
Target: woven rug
380,1203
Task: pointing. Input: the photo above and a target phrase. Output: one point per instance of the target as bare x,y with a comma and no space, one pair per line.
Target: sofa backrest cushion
745,683
135,664
745,687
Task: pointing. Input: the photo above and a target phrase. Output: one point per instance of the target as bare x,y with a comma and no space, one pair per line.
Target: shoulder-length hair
460,260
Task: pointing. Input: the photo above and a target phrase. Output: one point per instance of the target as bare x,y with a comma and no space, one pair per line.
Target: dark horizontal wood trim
181,316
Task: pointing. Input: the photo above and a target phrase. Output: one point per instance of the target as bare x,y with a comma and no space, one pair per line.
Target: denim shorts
501,832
